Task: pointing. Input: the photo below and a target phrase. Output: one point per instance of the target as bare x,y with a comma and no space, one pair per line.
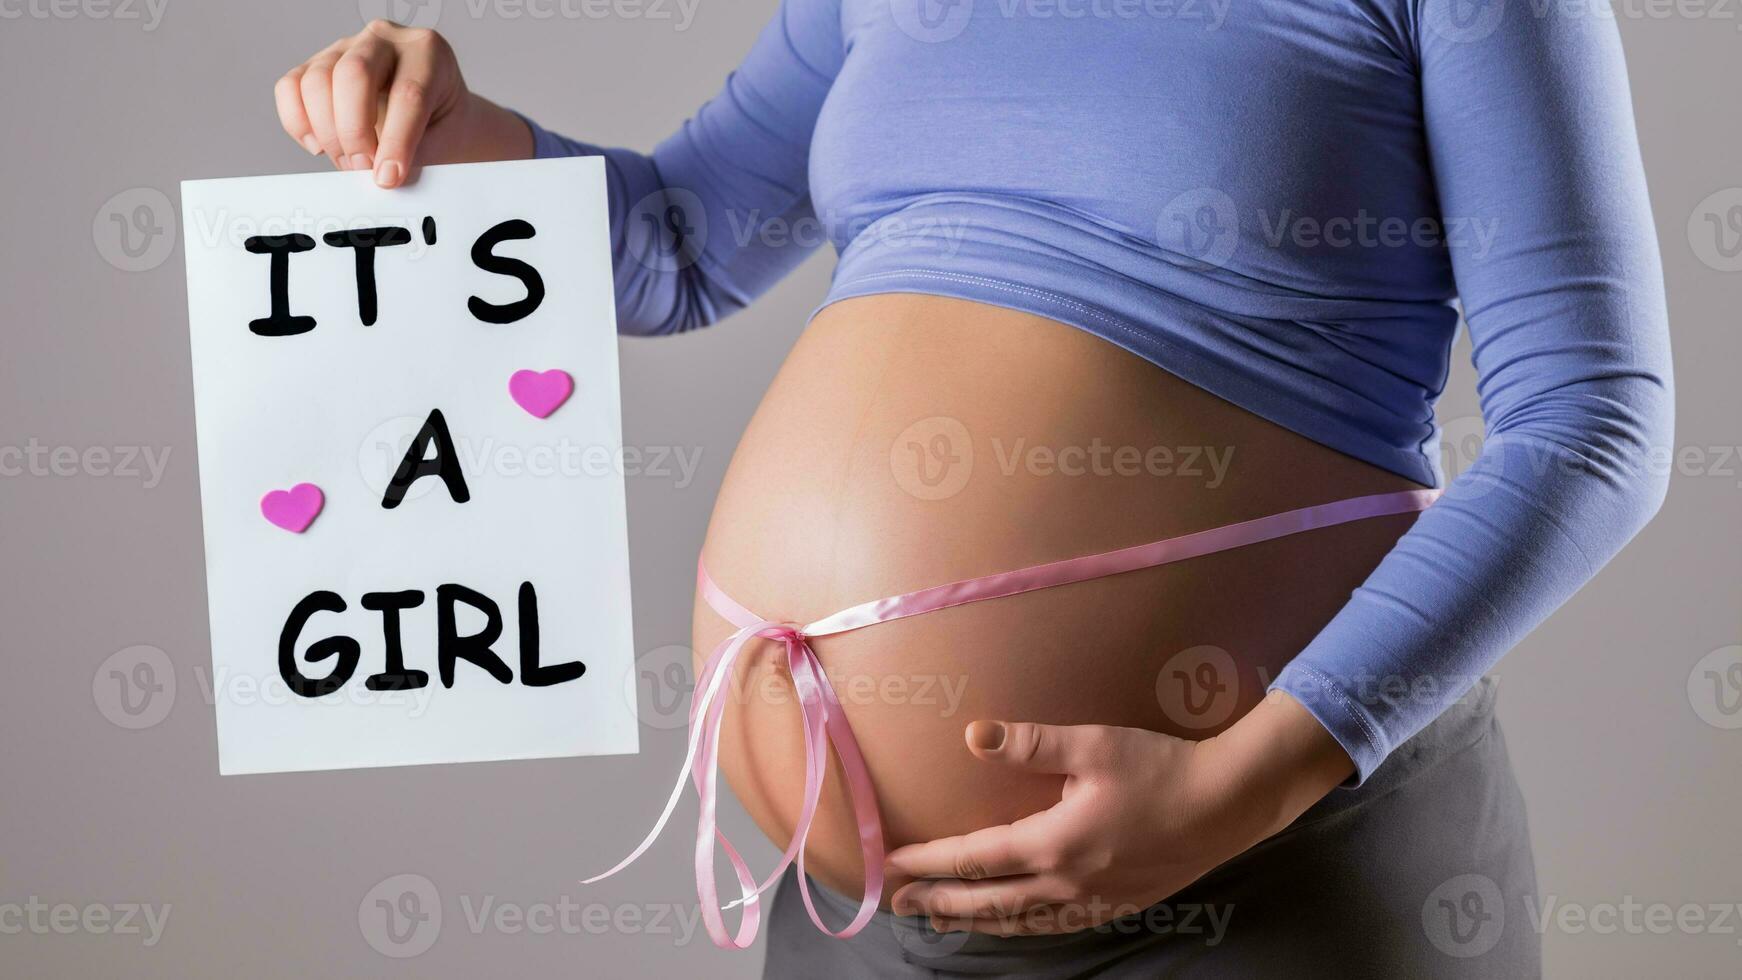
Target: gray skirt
1423,871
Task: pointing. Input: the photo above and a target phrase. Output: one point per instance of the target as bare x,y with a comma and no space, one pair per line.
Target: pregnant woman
1117,425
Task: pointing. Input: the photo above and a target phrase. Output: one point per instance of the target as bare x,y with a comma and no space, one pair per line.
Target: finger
989,899
408,112
1009,849
317,102
1040,748
358,77
287,94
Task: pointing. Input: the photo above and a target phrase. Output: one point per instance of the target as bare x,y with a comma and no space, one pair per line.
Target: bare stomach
914,440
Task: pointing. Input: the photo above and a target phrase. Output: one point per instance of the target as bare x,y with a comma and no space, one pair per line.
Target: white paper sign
386,371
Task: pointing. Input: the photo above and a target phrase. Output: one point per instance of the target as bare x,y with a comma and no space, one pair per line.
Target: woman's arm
1529,126
699,228
704,225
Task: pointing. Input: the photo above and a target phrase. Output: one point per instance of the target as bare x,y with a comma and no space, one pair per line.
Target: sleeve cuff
546,144
1342,716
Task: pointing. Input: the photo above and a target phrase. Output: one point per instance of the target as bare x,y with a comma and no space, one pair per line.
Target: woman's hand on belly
1141,816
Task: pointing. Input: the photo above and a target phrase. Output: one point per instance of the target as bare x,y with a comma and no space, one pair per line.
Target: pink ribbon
825,722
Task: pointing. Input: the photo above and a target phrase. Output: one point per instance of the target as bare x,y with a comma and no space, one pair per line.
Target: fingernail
987,736
339,162
387,173
360,161
312,145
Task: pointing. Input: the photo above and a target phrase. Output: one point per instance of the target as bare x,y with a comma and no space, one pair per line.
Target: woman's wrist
1277,760
492,132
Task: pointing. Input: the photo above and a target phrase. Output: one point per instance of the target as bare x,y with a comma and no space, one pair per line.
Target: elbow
1649,480
1637,441
659,303
1601,449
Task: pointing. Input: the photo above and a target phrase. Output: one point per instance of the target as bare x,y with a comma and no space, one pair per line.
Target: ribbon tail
865,813
816,764
714,673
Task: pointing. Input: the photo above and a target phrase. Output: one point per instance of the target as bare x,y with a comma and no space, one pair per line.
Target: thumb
1037,748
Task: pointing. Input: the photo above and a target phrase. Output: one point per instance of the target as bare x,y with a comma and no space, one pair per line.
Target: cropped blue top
1279,202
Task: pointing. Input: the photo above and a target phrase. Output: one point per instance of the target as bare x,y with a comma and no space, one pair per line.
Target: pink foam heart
541,392
293,509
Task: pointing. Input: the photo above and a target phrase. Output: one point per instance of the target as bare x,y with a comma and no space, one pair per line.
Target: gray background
1632,791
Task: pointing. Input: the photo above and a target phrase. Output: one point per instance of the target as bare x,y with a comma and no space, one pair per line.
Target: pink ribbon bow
825,723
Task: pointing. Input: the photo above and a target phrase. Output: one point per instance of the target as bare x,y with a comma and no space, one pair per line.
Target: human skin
1076,785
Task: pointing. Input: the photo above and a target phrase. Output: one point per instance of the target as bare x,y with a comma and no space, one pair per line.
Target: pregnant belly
910,441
